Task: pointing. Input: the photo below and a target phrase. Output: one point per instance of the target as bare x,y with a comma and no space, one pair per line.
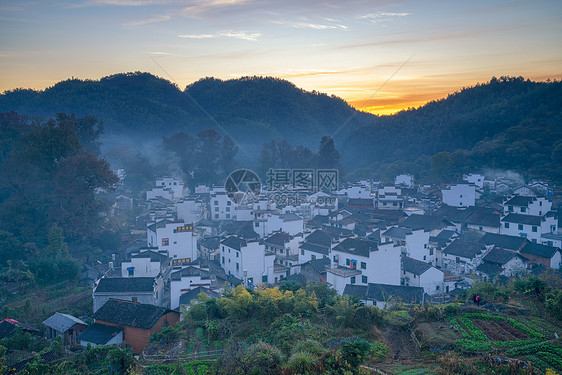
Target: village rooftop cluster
381,243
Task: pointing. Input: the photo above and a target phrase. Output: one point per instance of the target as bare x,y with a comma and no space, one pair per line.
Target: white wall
190,211
178,244
461,195
143,267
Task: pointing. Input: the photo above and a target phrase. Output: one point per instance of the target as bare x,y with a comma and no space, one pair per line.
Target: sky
381,56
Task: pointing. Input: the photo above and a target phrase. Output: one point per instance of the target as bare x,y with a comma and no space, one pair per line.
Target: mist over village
252,187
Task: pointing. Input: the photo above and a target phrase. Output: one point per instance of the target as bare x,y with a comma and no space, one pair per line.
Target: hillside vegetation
506,123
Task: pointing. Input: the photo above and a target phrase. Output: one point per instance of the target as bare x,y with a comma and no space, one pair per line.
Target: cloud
148,21
252,37
309,25
204,6
380,17
160,53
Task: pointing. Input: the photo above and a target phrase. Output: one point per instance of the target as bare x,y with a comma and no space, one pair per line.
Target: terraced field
530,340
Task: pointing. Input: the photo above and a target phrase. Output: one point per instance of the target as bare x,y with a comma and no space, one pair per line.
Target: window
228,203
510,208
216,216
237,254
352,280
347,261
363,265
458,260
131,272
216,203
540,203
313,257
264,279
223,249
461,196
480,228
216,209
534,228
302,253
364,279
228,209
520,226
256,224
237,266
424,257
506,225
523,209
165,241
222,260
430,251
437,287
228,216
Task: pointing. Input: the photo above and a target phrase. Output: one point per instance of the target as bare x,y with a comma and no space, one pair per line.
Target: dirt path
401,344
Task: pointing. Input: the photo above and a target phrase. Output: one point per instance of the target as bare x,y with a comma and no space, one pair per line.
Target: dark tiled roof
243,229
355,290
99,334
47,357
446,234
452,214
8,328
488,220
500,256
489,268
334,231
291,217
317,221
62,322
234,242
427,223
210,242
319,265
519,201
503,241
382,292
397,232
320,249
319,237
190,271
153,255
356,246
186,298
417,267
125,284
538,249
278,239
465,249
131,314
360,202
523,219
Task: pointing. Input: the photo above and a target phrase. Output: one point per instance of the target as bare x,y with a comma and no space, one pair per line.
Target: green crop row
534,348
552,359
524,328
459,328
483,316
514,343
474,345
473,329
201,367
537,362
162,370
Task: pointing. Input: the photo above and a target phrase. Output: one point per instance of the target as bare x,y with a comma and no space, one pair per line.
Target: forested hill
254,108
507,123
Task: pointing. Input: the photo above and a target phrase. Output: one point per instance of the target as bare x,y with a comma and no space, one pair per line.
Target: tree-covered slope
506,123
255,107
